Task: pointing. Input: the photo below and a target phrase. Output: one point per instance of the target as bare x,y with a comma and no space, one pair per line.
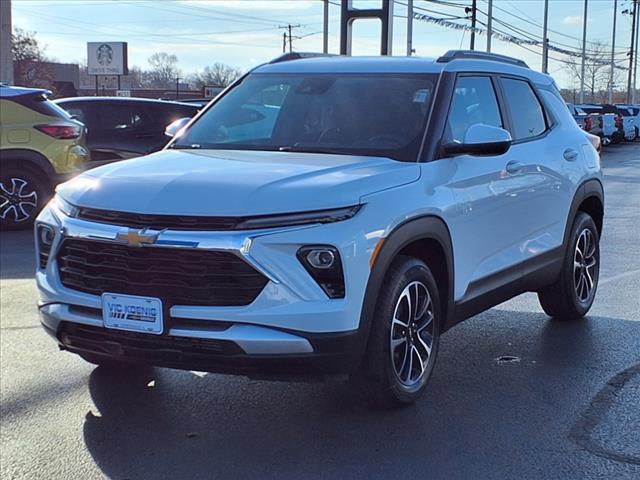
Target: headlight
303,218
60,205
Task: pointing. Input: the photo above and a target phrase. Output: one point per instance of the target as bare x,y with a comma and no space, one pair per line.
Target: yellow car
41,145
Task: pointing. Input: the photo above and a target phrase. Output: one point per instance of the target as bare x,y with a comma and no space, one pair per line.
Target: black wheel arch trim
22,157
428,227
588,189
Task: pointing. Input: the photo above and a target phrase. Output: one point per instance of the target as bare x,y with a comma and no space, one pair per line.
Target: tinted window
372,114
526,112
78,113
474,101
121,117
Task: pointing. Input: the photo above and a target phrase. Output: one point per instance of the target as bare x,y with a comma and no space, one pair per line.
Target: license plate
133,313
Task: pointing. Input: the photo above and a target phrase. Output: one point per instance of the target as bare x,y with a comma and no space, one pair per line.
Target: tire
571,296
632,137
390,380
22,195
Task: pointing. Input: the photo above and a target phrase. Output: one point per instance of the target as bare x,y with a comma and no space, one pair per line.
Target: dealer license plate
133,313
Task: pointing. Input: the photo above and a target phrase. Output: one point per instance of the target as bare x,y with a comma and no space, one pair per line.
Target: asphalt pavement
513,396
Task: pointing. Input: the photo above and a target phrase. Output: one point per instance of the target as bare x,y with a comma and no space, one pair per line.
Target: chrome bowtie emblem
137,238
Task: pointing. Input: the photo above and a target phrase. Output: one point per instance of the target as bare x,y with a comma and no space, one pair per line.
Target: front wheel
405,334
572,294
22,196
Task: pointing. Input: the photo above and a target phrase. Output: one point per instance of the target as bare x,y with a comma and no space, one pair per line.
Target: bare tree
164,70
596,73
28,55
216,75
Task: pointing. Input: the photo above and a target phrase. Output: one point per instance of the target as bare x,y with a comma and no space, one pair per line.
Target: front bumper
291,327
229,348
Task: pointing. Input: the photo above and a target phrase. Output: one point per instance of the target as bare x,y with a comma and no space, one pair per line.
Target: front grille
160,222
176,276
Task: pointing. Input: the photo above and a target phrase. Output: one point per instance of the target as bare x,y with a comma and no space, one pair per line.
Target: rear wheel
22,196
573,293
405,334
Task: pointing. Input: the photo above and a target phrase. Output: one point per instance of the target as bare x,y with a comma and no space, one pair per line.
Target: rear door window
527,116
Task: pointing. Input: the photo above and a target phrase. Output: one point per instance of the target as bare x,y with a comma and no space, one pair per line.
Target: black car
121,128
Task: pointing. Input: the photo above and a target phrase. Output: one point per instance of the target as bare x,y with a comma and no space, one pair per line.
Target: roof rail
474,55
286,57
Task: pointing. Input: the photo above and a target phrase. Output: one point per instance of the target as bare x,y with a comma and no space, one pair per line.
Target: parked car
40,146
609,126
330,215
121,128
625,121
634,111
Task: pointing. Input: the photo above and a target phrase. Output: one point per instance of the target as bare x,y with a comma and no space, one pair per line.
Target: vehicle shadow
507,419
17,254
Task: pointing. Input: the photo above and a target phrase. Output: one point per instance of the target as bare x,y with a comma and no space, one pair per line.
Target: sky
243,33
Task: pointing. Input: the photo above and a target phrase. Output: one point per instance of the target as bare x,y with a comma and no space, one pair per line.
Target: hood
234,183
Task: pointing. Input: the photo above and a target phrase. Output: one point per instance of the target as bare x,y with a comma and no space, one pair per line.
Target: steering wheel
326,132
395,140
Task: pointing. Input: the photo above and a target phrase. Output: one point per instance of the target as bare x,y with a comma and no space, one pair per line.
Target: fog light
45,236
324,265
321,258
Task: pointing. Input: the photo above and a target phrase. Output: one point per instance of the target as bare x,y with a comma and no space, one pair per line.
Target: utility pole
584,48
290,36
177,88
613,50
473,9
409,27
545,40
489,24
6,58
632,52
635,68
325,27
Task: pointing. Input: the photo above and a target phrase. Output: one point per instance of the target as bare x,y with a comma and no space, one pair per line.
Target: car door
545,158
490,211
121,131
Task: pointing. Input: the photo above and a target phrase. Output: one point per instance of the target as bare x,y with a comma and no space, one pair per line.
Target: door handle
570,154
144,135
514,167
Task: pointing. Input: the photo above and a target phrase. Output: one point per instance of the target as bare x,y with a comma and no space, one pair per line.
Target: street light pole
409,27
632,53
325,27
545,40
584,48
613,48
489,24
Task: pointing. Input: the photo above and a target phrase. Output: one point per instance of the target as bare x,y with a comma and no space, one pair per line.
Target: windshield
361,114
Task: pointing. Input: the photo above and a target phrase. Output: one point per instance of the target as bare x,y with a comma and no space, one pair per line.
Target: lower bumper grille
122,344
177,276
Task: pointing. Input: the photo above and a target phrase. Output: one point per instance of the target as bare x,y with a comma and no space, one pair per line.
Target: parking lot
514,395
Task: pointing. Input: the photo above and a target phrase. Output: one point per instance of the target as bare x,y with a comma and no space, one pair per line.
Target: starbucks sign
107,58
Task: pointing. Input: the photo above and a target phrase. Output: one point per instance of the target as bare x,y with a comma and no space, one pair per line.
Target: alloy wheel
584,266
411,338
18,200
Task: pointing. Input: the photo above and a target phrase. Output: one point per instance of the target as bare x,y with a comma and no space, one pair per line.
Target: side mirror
481,139
174,127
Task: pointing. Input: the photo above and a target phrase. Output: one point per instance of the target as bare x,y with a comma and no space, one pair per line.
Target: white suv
329,215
